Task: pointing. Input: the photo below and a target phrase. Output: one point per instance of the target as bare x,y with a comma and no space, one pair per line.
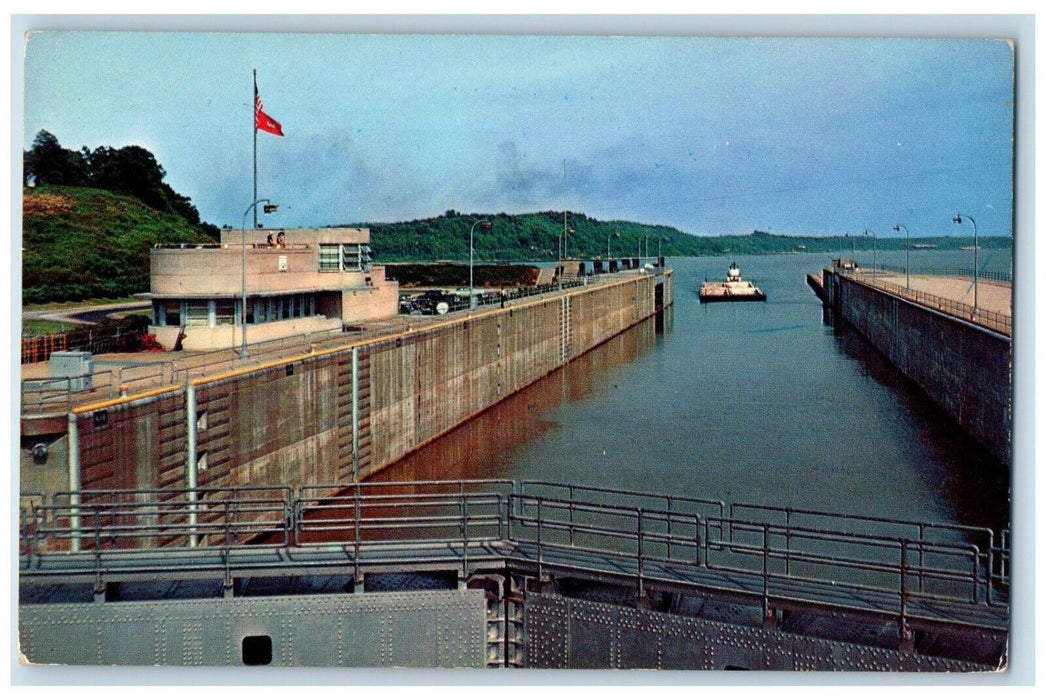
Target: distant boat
969,247
733,289
923,246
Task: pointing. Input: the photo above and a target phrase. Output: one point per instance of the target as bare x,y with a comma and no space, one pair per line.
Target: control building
297,281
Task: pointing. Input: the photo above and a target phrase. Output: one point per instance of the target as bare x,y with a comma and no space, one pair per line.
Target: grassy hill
80,243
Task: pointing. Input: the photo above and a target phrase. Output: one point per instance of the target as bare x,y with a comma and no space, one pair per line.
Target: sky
712,135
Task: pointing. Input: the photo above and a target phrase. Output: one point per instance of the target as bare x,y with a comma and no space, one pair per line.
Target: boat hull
712,298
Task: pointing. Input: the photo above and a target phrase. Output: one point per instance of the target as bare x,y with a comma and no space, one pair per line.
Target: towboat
733,289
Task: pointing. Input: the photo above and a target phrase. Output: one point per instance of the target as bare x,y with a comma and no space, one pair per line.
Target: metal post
905,633
356,414
639,552
540,571
957,219
767,615
357,575
464,508
697,539
191,460
907,254
74,482
243,264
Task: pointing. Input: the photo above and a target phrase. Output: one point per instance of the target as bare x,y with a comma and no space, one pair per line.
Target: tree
47,163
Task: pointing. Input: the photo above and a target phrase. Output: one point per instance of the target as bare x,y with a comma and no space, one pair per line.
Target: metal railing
894,568
993,320
990,275
38,348
58,395
891,576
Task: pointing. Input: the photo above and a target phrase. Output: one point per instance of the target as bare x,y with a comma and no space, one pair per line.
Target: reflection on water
483,448
758,402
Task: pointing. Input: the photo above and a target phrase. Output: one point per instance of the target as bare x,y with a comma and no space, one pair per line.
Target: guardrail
57,395
776,564
990,275
1001,323
895,567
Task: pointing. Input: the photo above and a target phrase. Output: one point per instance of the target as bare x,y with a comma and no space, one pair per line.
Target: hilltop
80,243
535,237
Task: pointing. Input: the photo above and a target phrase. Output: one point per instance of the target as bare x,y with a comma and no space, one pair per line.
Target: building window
350,255
330,258
224,312
196,313
172,313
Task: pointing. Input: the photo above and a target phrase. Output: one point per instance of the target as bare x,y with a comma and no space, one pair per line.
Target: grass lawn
46,327
62,306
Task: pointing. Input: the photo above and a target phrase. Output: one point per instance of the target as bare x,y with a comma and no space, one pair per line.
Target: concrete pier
959,355
337,413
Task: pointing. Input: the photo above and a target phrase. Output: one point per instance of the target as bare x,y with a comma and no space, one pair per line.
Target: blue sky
711,135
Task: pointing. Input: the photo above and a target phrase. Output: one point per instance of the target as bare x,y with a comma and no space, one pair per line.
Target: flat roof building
297,281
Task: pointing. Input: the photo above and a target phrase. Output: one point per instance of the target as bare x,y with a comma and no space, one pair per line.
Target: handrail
989,275
992,320
787,561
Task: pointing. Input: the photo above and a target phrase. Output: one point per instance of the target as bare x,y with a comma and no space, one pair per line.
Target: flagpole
254,127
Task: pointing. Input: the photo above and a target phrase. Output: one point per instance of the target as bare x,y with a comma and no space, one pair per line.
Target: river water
754,402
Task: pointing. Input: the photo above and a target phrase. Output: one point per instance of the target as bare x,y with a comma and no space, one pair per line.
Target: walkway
991,296
950,295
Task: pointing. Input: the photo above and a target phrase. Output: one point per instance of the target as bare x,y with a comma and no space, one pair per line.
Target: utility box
75,366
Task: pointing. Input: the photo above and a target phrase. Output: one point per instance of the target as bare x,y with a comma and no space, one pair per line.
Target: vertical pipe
356,414
74,481
190,459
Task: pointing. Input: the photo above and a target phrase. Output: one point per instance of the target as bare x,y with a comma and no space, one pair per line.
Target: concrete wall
292,421
209,337
964,368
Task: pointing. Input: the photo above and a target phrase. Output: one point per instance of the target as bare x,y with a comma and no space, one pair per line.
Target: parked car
436,301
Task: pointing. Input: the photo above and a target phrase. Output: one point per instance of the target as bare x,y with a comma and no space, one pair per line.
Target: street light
866,232
486,225
612,235
268,209
957,219
907,253
662,238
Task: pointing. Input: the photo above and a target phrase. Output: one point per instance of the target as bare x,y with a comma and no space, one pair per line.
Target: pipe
356,414
74,481
191,465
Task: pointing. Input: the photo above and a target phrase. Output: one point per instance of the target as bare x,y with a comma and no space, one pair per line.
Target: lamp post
957,219
612,235
268,209
867,232
907,254
661,238
486,225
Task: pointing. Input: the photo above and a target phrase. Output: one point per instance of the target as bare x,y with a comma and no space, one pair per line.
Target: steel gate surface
421,629
579,634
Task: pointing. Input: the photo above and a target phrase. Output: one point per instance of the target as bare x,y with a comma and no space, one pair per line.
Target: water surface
753,402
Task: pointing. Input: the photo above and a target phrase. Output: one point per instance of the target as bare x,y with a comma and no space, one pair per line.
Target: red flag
262,121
